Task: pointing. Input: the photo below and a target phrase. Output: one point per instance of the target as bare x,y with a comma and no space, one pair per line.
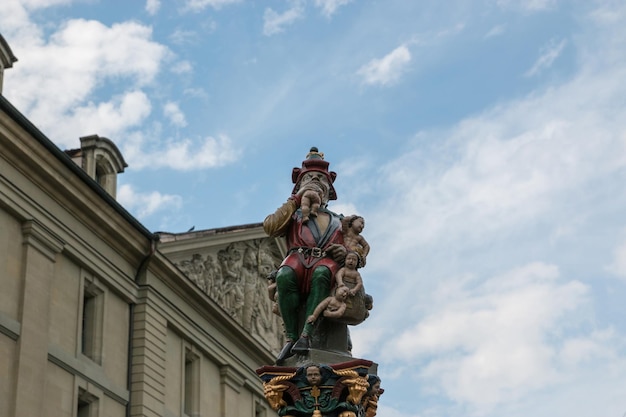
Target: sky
483,142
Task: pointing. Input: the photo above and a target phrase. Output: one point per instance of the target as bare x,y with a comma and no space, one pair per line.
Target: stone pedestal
328,357
345,389
332,336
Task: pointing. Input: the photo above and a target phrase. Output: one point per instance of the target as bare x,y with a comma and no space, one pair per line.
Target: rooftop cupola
101,160
6,59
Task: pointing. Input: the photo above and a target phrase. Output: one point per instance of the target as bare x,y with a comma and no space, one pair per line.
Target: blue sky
484,142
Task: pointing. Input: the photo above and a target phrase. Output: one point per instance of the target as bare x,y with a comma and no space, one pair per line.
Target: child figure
331,307
352,226
348,276
311,201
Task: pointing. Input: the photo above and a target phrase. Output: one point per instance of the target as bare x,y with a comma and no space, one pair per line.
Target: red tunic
301,235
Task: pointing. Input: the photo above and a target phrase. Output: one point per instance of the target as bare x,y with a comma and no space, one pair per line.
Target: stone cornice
39,237
232,378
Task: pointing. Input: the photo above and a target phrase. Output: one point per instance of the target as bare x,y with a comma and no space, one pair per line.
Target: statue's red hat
314,161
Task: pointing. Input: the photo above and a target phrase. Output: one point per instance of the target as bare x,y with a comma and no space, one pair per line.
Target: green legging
290,299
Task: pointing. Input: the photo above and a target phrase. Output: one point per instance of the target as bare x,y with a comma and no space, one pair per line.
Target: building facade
99,316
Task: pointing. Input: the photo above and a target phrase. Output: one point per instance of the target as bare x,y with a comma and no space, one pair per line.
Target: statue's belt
314,252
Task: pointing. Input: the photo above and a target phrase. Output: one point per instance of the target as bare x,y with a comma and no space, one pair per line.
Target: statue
352,228
316,251
319,292
349,276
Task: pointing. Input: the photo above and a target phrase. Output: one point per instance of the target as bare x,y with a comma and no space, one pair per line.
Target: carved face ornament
313,375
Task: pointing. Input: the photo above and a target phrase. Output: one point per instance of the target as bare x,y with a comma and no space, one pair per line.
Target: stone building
100,316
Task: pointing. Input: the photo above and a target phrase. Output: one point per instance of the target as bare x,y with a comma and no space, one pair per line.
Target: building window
100,175
87,404
83,409
192,384
92,322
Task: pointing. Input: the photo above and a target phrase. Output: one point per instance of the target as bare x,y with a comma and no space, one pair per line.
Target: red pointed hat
314,161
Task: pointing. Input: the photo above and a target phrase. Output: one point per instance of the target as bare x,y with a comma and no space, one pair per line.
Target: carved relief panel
235,276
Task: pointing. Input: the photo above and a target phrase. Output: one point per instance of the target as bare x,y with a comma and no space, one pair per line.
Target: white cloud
512,164
173,113
55,81
488,344
182,67
384,410
609,13
17,28
364,337
343,208
387,70
211,152
578,350
524,181
549,53
110,119
153,6
274,22
329,7
89,43
182,155
143,205
198,5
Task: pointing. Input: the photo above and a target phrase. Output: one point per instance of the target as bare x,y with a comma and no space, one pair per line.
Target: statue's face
342,293
376,388
313,375
316,177
351,260
358,224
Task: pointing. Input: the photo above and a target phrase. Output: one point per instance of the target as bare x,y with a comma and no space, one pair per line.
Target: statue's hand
337,252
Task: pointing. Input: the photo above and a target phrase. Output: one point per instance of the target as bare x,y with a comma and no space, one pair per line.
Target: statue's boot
301,346
285,352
